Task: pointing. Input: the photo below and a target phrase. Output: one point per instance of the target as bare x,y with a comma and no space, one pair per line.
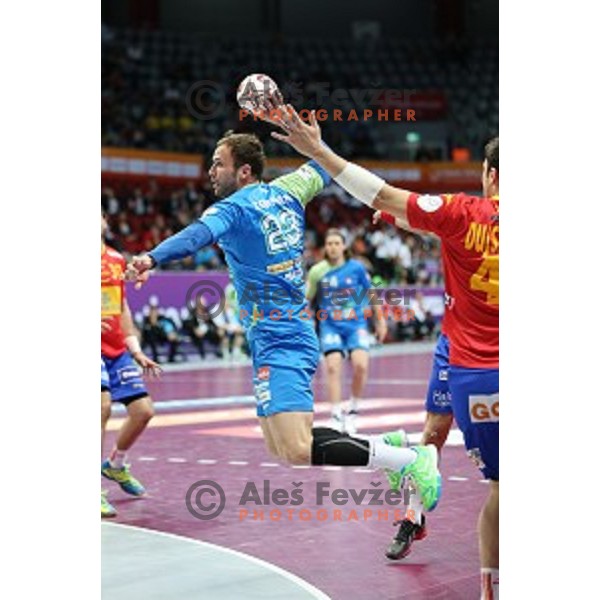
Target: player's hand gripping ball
258,93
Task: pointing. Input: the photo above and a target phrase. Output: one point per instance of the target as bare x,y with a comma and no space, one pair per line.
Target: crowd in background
139,219
147,77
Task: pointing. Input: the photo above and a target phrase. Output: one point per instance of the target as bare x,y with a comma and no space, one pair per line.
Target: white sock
117,458
415,507
336,410
384,456
490,584
352,404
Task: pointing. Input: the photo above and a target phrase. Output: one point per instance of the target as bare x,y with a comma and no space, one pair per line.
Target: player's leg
107,510
140,411
476,405
268,437
438,422
359,358
292,436
489,548
332,347
438,403
127,387
334,363
105,410
436,430
360,367
285,399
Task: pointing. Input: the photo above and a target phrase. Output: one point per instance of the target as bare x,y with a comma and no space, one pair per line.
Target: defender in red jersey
120,353
438,422
469,229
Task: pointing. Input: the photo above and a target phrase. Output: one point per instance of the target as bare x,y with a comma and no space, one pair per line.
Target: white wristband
360,183
133,344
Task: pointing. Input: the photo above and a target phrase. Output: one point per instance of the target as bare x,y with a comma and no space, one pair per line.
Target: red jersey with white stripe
112,266
470,232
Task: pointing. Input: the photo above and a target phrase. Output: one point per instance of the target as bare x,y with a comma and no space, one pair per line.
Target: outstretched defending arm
357,181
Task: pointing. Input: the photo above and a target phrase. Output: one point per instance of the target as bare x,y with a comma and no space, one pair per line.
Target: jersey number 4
487,279
282,231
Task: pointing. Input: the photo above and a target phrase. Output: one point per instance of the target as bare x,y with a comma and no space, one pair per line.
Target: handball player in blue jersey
340,288
260,228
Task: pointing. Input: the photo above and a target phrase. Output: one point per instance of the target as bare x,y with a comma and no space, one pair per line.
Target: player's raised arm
367,187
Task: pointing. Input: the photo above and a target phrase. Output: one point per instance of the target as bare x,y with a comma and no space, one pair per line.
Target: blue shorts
283,368
343,338
438,394
476,405
104,382
125,377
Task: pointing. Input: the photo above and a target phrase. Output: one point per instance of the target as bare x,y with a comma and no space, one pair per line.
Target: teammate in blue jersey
260,227
340,290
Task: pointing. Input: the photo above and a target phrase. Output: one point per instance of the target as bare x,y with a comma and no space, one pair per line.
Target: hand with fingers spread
272,108
138,269
148,366
305,138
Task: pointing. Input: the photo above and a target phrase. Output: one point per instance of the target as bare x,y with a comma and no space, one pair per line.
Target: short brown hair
492,154
246,149
334,231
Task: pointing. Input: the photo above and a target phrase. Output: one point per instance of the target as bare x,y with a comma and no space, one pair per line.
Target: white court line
176,460
363,470
456,478
147,458
311,589
331,468
270,464
238,462
206,461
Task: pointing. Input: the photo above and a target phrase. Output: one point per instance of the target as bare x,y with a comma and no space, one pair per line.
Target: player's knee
105,409
360,370
143,412
436,429
296,453
333,370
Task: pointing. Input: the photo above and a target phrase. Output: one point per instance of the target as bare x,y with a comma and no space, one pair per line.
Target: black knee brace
330,447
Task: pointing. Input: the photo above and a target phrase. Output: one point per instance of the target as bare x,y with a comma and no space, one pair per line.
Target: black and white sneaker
408,532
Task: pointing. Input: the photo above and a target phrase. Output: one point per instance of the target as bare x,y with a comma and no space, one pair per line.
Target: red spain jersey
112,266
470,232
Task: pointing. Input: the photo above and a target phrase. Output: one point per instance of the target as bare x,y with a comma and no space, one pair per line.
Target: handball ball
253,90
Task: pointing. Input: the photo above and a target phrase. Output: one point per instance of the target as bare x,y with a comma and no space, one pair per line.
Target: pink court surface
205,429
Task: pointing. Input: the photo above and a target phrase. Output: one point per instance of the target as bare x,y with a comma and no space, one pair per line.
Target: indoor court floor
205,430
